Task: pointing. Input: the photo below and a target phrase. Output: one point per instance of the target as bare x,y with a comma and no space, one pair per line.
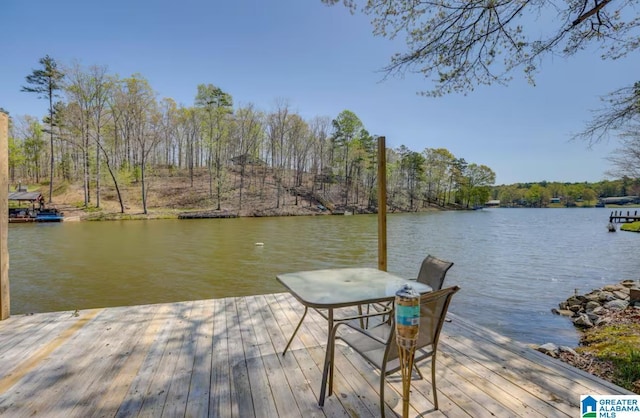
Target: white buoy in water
259,244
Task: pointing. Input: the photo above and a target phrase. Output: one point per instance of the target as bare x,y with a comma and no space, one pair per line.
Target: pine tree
45,82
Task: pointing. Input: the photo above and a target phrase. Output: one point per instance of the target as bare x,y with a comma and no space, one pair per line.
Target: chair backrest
433,271
433,310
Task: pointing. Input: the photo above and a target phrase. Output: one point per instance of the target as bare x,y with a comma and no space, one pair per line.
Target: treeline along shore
122,143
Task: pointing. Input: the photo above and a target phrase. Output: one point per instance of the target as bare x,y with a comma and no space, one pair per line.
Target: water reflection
513,265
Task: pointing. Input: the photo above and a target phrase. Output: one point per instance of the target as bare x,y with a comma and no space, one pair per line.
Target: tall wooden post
4,216
382,204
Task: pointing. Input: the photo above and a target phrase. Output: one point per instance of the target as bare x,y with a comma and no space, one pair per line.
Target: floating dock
206,215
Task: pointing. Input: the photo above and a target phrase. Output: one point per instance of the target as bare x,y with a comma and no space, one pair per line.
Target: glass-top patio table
338,288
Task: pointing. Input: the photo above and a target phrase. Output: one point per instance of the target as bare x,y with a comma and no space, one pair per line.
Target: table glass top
333,288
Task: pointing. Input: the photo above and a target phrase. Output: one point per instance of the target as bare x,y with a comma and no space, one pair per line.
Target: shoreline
609,321
81,215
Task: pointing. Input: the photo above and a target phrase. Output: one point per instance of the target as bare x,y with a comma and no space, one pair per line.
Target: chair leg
295,331
382,384
433,381
415,366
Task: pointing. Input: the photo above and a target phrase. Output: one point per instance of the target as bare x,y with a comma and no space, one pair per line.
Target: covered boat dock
22,213
23,196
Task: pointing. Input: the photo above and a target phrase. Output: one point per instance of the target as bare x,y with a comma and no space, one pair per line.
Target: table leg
332,351
296,330
327,370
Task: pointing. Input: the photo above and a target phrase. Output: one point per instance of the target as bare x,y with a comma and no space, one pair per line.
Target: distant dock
206,215
616,217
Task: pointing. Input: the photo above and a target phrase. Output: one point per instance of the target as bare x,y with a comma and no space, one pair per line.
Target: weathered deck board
29,337
298,363
82,373
223,358
281,387
197,402
139,393
129,362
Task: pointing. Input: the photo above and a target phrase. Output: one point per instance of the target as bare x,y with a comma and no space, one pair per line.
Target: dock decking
223,358
616,217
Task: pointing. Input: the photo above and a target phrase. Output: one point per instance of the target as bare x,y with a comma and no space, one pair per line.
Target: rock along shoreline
594,309
591,309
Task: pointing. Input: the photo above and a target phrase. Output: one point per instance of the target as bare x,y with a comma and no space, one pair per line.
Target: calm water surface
514,265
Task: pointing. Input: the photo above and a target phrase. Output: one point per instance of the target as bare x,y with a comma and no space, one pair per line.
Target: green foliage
136,173
126,176
628,369
45,81
212,97
33,144
60,188
618,344
535,196
88,209
632,227
571,194
65,166
347,127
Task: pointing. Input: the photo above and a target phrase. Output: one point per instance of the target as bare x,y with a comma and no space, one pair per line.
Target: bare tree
621,110
249,132
320,127
101,86
277,128
33,147
626,159
191,130
300,143
145,119
170,123
80,91
459,43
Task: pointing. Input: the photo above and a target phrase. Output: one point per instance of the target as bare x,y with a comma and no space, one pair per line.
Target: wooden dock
207,215
222,358
621,217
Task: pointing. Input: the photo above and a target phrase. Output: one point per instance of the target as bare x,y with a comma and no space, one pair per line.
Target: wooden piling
382,204
4,217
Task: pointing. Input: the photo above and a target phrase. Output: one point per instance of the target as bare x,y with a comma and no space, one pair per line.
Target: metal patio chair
378,345
433,271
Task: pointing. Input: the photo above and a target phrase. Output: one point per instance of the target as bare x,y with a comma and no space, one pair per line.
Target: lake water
513,265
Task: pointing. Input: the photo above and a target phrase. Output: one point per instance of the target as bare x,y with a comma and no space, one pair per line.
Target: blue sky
321,60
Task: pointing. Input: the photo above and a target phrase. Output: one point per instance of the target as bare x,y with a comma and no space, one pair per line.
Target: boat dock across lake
616,217
35,210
